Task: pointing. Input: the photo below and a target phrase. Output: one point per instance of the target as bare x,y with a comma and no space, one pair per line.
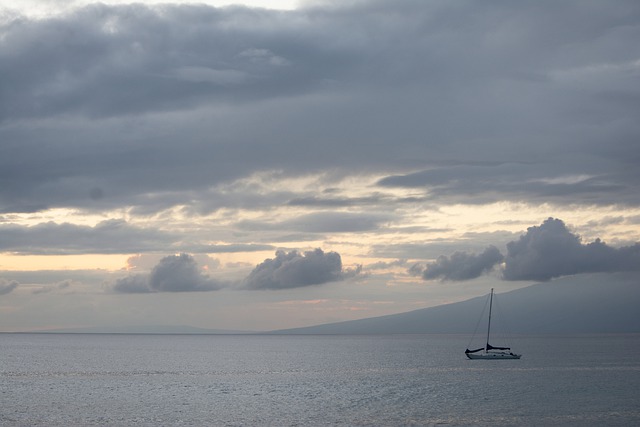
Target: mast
489,324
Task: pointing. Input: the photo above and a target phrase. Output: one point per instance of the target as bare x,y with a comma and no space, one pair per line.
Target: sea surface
253,380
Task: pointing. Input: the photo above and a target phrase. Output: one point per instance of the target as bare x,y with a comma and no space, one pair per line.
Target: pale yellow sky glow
447,223
62,262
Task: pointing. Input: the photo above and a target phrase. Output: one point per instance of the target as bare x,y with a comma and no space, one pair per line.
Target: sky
273,165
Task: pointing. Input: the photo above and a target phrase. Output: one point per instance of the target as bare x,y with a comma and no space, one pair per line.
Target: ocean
305,380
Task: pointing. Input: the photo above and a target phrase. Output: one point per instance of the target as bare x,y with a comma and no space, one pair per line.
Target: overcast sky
282,163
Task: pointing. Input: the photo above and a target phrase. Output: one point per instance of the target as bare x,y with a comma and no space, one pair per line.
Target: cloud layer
110,236
469,109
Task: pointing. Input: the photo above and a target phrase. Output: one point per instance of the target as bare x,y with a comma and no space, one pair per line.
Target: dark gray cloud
111,236
462,265
551,250
7,286
113,60
338,202
233,248
134,284
544,252
323,222
517,181
107,237
93,102
294,269
181,273
174,273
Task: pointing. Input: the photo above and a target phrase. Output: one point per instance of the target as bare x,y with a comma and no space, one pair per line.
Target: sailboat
490,352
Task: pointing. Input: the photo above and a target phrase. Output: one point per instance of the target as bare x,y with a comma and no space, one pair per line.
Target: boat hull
493,356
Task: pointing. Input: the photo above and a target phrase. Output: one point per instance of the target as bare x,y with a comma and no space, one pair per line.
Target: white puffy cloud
182,273
544,252
174,273
551,250
294,269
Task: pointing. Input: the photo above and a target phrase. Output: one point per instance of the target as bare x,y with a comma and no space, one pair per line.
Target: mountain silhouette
602,303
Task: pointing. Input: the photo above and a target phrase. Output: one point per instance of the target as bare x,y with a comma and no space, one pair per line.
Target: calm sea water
315,381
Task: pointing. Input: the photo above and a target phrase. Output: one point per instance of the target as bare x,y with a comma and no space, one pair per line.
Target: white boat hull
493,356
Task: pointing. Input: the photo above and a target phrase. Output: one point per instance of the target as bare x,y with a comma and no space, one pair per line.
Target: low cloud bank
542,253
180,273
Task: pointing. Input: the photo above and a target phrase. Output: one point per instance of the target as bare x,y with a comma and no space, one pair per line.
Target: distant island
143,329
603,303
